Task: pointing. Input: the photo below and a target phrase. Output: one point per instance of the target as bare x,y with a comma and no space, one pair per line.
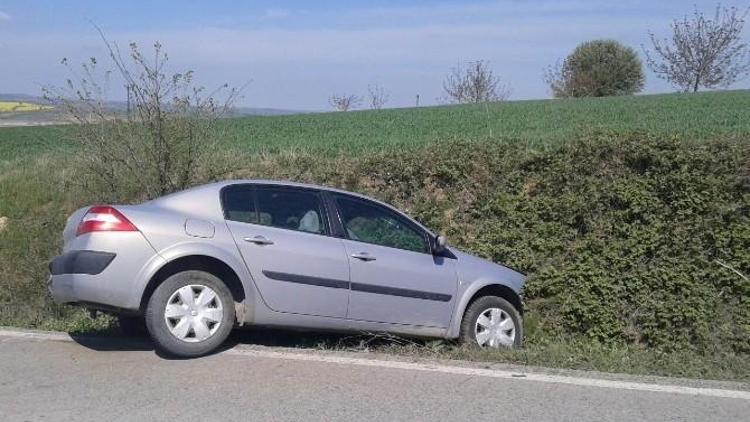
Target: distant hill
54,116
236,111
21,97
262,111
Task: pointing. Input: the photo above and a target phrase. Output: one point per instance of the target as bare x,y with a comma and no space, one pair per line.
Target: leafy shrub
626,238
154,147
599,68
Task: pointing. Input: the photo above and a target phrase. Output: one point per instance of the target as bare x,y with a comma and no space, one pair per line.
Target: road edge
464,368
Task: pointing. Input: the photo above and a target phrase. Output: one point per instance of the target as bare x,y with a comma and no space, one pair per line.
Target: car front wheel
492,321
190,314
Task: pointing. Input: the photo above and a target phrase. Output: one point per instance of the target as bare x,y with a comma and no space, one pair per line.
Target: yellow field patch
11,106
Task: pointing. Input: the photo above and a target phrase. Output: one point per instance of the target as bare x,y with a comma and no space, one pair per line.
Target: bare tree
345,102
160,144
474,84
702,52
377,96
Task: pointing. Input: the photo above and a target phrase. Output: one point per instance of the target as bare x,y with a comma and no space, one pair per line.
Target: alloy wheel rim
193,313
495,328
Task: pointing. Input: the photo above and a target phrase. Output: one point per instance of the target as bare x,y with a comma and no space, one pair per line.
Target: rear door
283,234
394,276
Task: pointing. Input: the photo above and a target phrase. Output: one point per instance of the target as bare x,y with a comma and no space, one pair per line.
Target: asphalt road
49,378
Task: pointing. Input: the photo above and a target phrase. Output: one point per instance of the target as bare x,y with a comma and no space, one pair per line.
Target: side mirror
440,244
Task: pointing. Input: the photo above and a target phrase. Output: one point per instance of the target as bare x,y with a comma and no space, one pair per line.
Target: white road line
445,369
36,335
495,373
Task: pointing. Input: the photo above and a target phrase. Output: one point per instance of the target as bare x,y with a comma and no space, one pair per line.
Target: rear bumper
71,274
75,288
102,270
81,262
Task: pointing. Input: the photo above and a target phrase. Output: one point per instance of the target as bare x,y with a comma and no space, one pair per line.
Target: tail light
104,218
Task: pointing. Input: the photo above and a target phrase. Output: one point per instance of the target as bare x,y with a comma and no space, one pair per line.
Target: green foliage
599,68
636,239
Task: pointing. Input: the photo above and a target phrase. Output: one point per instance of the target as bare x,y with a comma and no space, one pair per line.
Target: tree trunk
697,82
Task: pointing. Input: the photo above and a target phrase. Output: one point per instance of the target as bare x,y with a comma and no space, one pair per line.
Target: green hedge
631,239
626,238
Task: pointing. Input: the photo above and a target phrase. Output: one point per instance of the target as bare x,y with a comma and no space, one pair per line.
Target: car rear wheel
190,314
492,322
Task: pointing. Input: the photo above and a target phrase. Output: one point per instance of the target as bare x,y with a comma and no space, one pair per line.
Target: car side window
292,209
239,204
371,223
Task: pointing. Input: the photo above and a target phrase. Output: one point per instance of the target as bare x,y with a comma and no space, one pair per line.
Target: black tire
479,306
132,325
157,325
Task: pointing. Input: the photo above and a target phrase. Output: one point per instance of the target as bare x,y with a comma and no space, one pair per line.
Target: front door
394,276
283,236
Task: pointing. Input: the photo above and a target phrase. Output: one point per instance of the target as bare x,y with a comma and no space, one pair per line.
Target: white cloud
4,16
271,14
420,43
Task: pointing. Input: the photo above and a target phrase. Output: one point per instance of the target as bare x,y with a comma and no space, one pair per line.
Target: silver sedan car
197,263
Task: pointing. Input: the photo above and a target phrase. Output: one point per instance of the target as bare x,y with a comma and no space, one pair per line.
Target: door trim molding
358,287
306,279
395,291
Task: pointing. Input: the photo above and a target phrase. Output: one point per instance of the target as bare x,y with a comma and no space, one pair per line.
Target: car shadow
118,342
253,336
113,342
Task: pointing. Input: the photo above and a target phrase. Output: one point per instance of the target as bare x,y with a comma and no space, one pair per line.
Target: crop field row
534,124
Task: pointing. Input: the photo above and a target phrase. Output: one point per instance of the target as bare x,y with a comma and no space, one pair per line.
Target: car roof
225,183
286,183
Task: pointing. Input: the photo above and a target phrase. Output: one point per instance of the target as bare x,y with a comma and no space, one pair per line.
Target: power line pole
127,89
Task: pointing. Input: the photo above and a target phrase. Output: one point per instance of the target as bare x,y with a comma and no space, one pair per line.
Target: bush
154,147
598,68
626,239
631,240
475,84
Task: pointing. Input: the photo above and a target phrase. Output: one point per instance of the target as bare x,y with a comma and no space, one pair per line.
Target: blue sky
298,53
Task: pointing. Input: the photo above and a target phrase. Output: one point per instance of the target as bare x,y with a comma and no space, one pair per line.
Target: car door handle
259,240
364,256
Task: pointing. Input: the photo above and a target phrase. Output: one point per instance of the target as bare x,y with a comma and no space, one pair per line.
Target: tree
597,68
702,52
160,144
474,84
345,102
377,96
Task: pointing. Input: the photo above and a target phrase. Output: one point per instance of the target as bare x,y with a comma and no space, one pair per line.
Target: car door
283,236
394,276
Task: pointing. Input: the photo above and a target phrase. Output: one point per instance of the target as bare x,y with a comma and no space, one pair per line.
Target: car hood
472,269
